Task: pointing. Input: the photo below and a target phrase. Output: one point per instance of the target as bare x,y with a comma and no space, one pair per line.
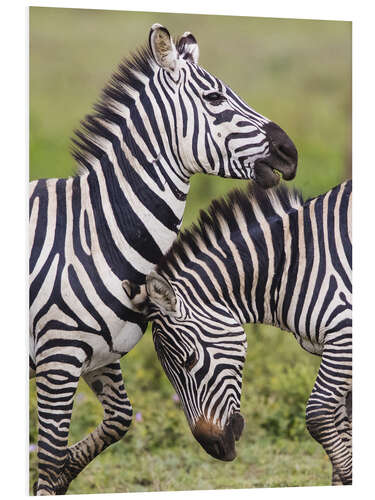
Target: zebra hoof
62,490
50,491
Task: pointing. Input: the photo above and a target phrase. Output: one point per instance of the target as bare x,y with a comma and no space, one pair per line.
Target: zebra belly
123,341
128,336
102,354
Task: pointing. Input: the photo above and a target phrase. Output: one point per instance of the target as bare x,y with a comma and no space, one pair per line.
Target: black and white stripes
159,120
260,257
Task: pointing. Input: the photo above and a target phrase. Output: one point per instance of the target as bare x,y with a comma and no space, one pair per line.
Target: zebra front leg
57,377
107,384
331,387
343,423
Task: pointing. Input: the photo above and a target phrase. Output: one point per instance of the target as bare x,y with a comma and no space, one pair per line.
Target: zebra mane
223,214
120,89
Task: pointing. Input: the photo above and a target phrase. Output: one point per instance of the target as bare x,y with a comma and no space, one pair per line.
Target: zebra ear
161,293
163,48
187,47
137,295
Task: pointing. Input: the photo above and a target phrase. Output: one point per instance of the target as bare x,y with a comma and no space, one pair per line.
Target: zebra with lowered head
160,119
257,257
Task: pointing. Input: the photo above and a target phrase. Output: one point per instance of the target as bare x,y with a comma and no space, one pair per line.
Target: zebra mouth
264,174
267,175
237,425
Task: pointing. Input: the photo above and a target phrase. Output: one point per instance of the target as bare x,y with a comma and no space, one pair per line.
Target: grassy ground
299,74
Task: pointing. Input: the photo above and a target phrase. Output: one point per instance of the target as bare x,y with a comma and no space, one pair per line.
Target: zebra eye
191,360
214,98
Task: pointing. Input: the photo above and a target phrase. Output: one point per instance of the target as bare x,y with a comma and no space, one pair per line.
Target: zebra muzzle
219,443
282,160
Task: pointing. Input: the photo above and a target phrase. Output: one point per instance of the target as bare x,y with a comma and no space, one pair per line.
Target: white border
14,214
319,9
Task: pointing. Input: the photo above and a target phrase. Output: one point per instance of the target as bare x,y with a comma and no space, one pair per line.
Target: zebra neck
251,271
298,238
136,215
264,276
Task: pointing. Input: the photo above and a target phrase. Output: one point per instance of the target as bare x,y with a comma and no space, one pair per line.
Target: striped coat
161,119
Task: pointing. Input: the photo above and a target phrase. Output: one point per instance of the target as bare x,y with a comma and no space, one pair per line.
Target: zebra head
202,353
215,131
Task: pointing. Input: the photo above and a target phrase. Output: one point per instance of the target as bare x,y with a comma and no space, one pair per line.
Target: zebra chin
219,443
268,174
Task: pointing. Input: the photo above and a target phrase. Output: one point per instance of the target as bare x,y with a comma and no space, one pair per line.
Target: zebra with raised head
257,257
160,119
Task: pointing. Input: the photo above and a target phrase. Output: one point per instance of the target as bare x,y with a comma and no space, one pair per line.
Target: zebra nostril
237,424
287,149
281,144
217,449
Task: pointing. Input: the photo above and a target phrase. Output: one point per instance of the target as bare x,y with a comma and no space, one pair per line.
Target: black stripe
335,258
321,257
293,269
343,222
40,193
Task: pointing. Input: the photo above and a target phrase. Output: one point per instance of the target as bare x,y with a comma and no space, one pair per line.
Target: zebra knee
314,427
118,419
318,418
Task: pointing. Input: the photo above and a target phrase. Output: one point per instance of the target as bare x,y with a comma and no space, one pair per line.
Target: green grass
297,72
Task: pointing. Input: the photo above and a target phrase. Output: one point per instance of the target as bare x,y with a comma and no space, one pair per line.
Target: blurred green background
295,72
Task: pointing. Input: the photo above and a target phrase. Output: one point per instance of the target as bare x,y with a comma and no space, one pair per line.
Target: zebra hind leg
107,384
327,422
